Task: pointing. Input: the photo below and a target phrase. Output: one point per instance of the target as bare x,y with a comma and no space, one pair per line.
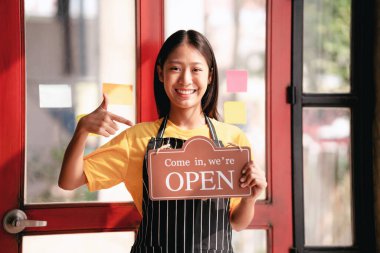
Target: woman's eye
197,70
175,68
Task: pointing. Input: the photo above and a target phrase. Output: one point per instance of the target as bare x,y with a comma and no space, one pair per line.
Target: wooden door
274,214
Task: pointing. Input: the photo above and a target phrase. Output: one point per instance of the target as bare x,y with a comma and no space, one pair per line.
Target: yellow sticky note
78,117
119,94
235,112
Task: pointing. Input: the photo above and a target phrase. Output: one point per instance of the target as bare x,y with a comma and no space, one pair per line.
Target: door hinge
291,95
293,250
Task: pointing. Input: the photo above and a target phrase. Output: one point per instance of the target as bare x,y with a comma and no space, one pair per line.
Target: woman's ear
160,73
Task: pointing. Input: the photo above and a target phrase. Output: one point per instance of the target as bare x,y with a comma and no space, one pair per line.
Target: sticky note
55,96
235,112
78,117
237,80
119,94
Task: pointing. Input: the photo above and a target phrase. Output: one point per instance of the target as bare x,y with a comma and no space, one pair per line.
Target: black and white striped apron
197,226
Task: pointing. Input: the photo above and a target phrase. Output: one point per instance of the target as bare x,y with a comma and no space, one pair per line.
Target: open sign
198,170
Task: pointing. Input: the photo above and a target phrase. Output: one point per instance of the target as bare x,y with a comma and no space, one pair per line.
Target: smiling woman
189,67
185,81
125,158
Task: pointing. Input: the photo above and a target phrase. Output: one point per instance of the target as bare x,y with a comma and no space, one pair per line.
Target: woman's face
185,75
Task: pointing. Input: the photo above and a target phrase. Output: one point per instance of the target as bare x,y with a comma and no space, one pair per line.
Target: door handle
16,221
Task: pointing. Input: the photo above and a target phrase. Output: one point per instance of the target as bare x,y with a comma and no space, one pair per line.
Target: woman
186,91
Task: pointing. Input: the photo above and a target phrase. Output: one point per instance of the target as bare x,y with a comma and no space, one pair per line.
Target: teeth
185,92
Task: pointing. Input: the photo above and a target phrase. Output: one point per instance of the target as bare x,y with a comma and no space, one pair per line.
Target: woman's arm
242,214
72,175
99,122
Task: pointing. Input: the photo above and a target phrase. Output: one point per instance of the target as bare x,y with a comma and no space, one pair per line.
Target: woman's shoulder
147,124
222,126
144,129
230,133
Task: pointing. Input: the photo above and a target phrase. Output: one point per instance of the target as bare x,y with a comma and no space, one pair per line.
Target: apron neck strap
164,122
161,130
214,136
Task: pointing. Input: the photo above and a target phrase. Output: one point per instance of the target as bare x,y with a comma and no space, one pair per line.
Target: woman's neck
187,119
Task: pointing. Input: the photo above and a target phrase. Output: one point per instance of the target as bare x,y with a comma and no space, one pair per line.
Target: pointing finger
121,119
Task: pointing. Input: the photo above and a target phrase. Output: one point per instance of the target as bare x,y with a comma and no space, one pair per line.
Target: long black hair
199,42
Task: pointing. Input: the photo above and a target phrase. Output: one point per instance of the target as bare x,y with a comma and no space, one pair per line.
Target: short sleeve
244,142
107,166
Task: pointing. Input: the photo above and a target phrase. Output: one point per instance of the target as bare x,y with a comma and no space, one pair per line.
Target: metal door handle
16,221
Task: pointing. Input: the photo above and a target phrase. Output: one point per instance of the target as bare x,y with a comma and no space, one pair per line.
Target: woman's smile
185,75
185,91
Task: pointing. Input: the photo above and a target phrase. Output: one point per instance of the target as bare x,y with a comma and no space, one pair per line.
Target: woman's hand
253,177
242,214
101,121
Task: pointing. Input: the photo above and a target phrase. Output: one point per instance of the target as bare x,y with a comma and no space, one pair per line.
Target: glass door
71,58
58,59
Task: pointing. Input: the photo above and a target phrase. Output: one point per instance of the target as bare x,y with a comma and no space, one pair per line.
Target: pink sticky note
237,80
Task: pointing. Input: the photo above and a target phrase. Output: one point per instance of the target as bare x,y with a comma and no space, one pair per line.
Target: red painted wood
11,111
149,41
61,218
278,213
76,218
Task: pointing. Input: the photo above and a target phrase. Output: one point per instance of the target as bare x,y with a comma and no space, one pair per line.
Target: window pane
70,53
115,242
326,48
327,176
250,241
237,33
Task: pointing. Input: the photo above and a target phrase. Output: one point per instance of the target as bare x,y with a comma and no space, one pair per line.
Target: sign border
183,149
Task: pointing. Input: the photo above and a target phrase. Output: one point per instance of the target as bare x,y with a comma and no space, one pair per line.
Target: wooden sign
198,170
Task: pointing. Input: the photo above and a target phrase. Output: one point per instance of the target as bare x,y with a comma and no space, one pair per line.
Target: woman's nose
186,77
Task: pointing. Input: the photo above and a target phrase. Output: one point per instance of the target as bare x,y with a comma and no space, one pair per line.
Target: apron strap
161,130
214,136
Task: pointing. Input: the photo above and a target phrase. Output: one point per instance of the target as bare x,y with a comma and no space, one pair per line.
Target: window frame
361,102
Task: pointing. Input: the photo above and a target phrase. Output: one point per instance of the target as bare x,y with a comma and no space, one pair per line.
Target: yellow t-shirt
121,159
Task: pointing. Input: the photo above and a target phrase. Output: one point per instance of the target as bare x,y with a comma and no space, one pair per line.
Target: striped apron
193,225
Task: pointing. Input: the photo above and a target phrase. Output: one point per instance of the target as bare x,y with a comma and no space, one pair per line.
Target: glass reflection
116,242
250,241
70,52
326,46
327,176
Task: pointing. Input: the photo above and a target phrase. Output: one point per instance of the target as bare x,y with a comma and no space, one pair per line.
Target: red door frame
275,215
11,109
